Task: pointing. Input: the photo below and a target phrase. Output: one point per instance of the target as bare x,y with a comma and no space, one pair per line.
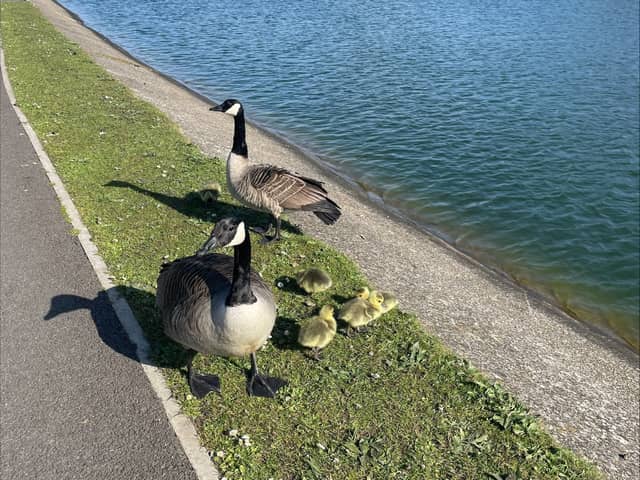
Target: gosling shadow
340,299
191,205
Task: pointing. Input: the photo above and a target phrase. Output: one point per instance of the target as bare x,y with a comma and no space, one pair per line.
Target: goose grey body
269,188
215,304
192,295
273,189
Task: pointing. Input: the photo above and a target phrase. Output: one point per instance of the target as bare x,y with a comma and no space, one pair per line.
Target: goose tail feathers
326,210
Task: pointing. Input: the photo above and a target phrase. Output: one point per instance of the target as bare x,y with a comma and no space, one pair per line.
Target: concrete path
75,401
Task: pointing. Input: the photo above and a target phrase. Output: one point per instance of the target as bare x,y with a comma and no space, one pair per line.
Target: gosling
389,301
318,331
210,192
358,312
363,293
314,280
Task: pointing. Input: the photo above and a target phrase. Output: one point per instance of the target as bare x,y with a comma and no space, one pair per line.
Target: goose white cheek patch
234,109
239,236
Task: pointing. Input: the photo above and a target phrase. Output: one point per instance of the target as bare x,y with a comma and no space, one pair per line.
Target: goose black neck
241,283
239,136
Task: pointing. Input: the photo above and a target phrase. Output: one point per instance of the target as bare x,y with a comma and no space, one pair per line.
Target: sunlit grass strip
390,403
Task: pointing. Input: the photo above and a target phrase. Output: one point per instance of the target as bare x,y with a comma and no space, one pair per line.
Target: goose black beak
217,108
208,245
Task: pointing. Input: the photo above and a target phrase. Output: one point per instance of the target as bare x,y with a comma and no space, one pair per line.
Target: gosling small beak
208,245
217,108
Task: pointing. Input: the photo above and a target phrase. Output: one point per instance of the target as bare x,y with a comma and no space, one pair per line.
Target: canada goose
215,304
318,331
210,192
313,280
358,312
269,188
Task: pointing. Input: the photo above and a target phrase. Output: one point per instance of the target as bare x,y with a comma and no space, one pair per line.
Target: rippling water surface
510,128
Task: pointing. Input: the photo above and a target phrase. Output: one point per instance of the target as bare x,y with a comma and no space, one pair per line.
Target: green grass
391,403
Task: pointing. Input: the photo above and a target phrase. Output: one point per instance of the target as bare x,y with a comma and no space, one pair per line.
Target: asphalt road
75,403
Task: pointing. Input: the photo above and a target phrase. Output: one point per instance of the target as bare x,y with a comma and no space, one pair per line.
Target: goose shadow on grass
191,205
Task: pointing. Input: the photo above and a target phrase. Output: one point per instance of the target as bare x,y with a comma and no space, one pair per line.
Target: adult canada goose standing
215,304
268,188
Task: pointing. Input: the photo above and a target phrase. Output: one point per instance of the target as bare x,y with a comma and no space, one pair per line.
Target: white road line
183,427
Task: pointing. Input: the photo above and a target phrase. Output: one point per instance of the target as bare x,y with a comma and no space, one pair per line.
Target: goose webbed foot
262,231
260,385
266,240
202,384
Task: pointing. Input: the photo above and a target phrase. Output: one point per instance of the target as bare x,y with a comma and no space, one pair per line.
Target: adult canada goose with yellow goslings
216,304
269,188
314,280
318,331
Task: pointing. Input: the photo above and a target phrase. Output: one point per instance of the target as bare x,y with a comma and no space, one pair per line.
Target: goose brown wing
192,278
198,277
291,191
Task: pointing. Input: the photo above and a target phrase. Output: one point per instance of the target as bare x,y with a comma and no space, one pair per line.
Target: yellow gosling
314,280
390,301
358,312
318,331
210,192
363,293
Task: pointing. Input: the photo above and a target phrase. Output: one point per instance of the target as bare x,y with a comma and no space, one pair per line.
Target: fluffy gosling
318,331
314,280
358,312
210,192
389,301
363,293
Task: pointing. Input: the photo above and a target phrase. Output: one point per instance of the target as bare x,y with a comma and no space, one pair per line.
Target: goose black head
229,106
228,232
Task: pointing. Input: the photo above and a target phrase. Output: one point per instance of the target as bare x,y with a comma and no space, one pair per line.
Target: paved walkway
75,402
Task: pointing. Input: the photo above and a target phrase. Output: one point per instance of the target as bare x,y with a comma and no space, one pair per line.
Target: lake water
509,128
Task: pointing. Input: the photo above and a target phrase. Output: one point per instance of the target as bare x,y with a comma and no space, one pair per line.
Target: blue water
510,128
